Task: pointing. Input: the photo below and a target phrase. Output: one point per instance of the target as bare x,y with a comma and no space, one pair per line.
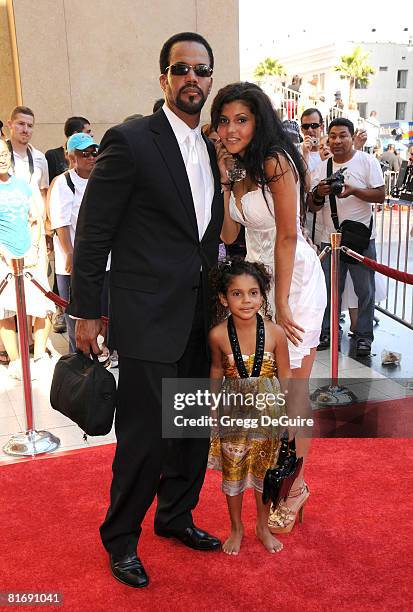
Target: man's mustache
193,87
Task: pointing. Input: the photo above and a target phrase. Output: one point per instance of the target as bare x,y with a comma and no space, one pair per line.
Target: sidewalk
374,382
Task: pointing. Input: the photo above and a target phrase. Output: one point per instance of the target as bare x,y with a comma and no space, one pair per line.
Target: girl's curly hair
221,276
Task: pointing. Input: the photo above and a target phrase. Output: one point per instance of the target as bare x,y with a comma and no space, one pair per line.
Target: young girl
249,352
20,234
267,202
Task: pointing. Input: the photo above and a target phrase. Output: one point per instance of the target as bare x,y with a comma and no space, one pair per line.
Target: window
383,68
401,79
362,109
360,84
400,111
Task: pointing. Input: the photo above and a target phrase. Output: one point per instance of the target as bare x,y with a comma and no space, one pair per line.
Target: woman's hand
222,155
285,320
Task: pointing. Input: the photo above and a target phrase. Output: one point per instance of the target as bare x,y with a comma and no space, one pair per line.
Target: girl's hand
291,329
222,155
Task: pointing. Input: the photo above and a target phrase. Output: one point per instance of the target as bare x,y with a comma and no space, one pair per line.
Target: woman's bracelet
227,184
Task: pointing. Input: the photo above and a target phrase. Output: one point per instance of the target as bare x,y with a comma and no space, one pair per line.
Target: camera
314,141
404,186
336,181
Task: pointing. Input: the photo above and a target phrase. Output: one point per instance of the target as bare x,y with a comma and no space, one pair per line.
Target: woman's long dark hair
270,138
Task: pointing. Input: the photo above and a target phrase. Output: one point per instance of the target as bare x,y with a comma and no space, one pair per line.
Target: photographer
352,192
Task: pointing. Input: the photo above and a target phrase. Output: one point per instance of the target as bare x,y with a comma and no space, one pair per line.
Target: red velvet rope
53,296
398,275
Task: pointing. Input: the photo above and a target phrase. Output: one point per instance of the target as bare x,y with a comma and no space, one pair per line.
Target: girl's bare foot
265,536
233,544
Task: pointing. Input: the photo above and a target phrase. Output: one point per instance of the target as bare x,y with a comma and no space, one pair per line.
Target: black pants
145,464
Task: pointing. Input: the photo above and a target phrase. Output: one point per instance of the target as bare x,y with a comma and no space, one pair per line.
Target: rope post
31,442
334,305
334,394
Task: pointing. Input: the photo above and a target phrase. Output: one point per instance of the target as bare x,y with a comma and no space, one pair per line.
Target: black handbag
85,392
354,235
279,480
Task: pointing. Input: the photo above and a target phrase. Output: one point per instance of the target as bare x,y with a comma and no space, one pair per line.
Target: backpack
69,181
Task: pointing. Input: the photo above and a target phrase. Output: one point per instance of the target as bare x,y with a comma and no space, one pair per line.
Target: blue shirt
15,201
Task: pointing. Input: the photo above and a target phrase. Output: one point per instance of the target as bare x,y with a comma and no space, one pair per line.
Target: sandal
282,519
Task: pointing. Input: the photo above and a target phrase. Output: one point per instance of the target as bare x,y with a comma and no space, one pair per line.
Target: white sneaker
15,369
113,360
40,367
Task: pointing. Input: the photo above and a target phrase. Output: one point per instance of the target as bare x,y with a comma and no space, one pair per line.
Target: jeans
364,286
63,285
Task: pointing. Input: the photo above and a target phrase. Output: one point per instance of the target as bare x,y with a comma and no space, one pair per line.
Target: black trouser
145,464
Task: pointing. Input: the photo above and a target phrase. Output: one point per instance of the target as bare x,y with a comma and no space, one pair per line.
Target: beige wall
99,58
8,94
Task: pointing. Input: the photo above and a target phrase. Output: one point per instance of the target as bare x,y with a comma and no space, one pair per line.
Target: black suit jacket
138,204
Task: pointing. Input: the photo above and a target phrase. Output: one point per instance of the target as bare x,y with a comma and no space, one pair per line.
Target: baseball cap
80,142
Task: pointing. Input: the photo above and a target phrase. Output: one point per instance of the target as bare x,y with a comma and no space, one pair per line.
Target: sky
267,27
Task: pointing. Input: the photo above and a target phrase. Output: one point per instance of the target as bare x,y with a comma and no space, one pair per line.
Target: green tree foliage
354,67
269,67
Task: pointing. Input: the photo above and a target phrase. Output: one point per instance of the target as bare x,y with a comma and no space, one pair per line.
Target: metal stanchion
334,394
31,442
326,251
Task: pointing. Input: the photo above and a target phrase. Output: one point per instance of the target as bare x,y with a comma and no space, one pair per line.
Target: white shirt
64,211
364,172
181,131
314,159
40,177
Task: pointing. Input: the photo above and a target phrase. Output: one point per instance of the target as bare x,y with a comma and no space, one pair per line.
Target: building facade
390,89
99,59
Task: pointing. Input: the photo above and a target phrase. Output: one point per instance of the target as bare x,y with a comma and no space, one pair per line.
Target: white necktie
196,180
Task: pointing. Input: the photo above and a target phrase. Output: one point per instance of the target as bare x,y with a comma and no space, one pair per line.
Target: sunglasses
181,69
87,154
307,126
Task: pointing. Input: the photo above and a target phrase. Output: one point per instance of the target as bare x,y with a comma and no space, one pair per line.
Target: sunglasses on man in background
307,126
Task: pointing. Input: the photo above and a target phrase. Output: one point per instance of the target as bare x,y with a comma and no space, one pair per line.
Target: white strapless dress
308,295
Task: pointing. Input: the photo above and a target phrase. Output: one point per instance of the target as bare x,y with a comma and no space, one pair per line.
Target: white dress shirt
182,131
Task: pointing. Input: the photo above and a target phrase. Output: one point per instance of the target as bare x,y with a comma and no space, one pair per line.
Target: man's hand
323,189
87,331
69,263
360,137
307,145
347,191
49,244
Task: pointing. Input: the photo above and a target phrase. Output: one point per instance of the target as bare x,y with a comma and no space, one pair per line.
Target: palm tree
269,67
354,67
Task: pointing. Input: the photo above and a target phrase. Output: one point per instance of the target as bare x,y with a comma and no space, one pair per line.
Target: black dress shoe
129,570
192,537
363,347
324,342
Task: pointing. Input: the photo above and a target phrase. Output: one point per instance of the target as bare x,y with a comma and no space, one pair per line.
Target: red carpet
391,418
352,553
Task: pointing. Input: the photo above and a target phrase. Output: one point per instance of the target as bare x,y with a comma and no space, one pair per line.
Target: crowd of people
152,203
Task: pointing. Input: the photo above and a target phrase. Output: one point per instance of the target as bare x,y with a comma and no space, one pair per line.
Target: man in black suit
153,199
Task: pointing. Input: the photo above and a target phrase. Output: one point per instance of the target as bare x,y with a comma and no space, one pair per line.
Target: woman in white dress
267,202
